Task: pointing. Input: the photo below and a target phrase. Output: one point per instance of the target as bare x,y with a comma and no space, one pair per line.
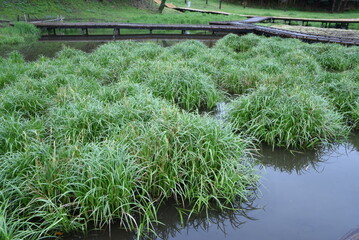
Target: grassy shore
239,9
20,33
122,11
91,139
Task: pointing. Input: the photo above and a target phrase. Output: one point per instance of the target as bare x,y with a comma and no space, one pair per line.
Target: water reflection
291,161
32,51
175,223
354,140
320,204
202,222
300,162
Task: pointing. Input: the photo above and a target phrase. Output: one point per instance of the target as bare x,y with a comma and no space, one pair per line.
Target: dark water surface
32,51
308,196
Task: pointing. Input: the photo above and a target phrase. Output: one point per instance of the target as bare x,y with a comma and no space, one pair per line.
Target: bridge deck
182,9
84,25
329,20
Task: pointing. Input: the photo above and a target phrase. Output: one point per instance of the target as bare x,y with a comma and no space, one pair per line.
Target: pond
32,51
307,195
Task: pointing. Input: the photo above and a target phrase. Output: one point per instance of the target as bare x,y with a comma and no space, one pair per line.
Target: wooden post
220,4
206,2
116,32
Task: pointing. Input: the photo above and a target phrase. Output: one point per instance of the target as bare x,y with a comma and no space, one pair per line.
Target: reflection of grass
291,161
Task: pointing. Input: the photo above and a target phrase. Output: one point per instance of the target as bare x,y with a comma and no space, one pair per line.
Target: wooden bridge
220,28
337,23
51,27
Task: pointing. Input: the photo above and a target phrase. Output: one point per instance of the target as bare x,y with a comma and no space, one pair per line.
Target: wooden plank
182,9
256,19
332,20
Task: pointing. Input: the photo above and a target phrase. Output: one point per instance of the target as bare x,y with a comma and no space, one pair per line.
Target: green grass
287,118
117,10
84,143
238,9
89,139
20,33
120,11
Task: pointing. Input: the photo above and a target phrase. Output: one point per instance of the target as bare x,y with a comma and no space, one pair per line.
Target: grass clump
19,33
190,89
288,118
238,44
343,92
66,188
191,159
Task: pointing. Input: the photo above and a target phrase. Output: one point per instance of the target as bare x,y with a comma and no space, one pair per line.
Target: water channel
303,195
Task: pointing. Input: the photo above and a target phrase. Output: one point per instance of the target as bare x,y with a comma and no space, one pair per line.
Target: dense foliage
20,33
111,135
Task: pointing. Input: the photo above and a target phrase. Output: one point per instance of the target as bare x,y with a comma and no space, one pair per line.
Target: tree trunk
333,6
341,6
162,6
345,5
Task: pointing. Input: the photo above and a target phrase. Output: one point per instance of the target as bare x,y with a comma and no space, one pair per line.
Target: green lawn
121,11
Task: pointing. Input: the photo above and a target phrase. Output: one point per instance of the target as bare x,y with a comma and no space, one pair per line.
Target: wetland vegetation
19,33
87,139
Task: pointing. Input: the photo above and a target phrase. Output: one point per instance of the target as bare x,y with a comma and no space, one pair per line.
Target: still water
32,51
306,196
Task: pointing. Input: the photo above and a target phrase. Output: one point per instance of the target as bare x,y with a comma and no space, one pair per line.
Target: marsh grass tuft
288,118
